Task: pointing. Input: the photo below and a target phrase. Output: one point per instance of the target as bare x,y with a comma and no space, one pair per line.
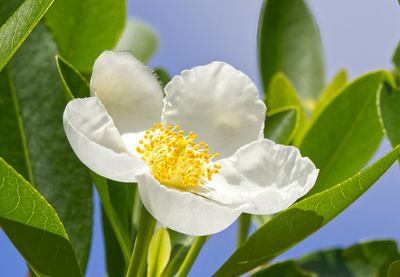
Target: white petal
219,103
129,91
184,212
97,142
268,176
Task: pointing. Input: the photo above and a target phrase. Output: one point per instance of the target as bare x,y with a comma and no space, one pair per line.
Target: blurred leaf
289,41
34,227
365,259
159,253
389,112
180,247
283,269
85,28
396,56
394,269
74,83
346,134
139,38
281,124
17,20
291,226
32,100
162,76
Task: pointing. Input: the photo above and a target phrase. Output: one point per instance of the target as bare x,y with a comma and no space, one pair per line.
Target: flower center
175,159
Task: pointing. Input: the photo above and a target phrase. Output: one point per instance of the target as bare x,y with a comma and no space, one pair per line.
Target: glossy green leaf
36,145
158,253
289,41
396,57
394,269
139,38
389,112
180,247
281,124
85,28
17,20
345,135
283,269
34,227
75,85
366,259
303,218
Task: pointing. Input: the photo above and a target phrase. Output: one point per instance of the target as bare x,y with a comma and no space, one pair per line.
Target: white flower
183,185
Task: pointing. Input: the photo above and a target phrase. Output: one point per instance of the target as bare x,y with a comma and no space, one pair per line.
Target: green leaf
389,112
159,252
346,134
281,124
394,269
85,28
180,247
396,56
139,38
75,84
289,41
33,138
371,258
17,21
34,227
162,76
303,218
283,269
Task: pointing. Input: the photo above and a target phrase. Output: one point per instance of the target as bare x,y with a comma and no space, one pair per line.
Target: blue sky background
359,35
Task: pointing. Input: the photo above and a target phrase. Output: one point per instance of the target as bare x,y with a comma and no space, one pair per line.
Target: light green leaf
75,84
291,226
281,124
139,38
159,252
31,108
283,269
371,258
345,135
180,247
289,41
394,269
34,227
83,29
389,112
396,56
17,21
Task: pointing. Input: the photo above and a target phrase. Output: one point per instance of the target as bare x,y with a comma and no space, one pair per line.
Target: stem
191,256
244,226
137,265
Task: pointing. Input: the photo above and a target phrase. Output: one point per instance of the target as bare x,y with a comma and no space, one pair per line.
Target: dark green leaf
85,28
17,20
366,259
74,83
345,135
389,112
289,41
34,227
394,269
32,98
162,76
139,38
281,124
283,269
396,56
303,218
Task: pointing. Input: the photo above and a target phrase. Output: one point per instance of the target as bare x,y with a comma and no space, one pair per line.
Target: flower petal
184,211
268,176
217,102
129,91
97,142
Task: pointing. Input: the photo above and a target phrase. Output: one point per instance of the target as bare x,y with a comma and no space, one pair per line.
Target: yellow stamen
175,159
